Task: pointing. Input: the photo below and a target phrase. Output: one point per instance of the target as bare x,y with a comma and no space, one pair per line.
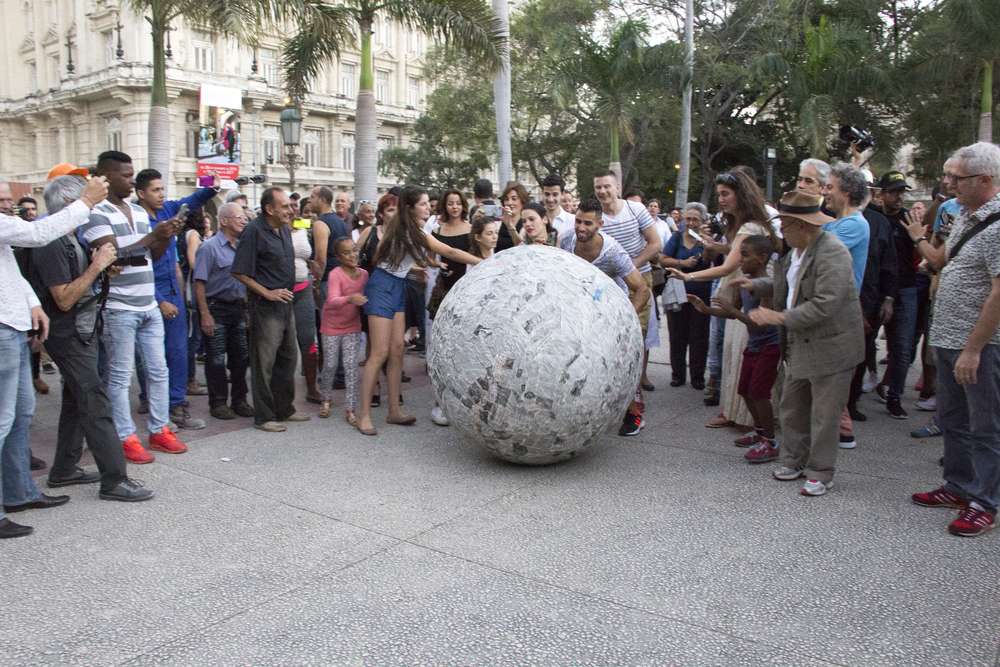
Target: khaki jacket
823,332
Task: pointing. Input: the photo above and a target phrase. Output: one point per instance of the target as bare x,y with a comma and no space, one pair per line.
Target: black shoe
243,409
711,399
647,386
698,385
37,463
881,393
339,384
376,401
127,491
405,378
10,529
895,409
48,368
856,414
79,476
42,503
222,412
676,383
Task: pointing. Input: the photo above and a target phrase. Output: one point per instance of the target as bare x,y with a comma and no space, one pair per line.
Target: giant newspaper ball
534,354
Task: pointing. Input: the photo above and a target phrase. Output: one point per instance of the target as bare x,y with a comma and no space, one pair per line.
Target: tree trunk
684,151
986,108
158,131
501,100
365,152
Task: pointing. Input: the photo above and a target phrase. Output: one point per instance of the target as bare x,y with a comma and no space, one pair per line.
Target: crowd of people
774,314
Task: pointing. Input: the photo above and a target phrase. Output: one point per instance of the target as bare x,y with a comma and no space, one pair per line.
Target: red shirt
340,316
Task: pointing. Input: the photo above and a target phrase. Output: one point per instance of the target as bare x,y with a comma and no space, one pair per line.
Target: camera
131,256
861,137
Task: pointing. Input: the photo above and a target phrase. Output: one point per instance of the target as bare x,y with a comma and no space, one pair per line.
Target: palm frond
322,31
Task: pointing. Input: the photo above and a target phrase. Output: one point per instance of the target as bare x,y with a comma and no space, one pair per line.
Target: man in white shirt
21,316
562,221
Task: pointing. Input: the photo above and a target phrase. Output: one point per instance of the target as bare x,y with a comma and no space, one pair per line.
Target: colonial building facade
77,76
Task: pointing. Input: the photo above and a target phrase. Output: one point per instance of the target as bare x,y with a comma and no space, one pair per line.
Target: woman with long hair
514,198
536,228
403,246
196,228
483,236
742,206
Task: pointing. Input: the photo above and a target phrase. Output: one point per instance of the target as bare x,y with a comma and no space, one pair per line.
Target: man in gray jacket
816,306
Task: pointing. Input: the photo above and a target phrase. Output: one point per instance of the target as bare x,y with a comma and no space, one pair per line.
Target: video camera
132,255
860,137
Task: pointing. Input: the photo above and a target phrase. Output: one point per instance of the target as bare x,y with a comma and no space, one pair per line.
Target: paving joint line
616,603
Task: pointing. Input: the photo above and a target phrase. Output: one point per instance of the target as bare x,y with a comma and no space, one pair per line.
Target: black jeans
86,411
688,342
416,306
228,348
273,357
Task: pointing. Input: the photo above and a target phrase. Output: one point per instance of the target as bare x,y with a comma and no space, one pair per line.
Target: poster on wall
219,133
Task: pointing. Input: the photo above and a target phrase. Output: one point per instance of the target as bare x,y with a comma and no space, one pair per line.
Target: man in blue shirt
169,287
846,194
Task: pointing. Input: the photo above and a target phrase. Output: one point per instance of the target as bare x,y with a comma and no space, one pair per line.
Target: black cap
893,180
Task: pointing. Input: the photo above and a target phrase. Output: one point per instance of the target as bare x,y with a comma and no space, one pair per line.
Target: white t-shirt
792,277
564,223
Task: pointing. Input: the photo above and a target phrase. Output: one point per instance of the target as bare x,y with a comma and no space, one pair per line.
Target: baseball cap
893,180
67,169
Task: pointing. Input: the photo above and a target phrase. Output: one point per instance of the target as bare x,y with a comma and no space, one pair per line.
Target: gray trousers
810,422
969,416
273,358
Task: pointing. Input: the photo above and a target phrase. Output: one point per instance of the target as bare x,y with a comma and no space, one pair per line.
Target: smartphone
694,235
182,212
492,210
206,181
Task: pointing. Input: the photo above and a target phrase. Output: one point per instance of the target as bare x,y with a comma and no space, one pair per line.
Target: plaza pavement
321,546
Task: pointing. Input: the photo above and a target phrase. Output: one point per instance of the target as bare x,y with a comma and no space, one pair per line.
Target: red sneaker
165,441
748,439
971,521
939,497
135,452
764,451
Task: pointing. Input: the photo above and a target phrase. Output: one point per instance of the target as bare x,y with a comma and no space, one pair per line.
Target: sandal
405,420
324,409
719,421
351,418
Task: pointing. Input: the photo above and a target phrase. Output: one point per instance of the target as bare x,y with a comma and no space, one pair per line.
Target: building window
413,91
384,144
270,66
347,152
311,142
348,77
204,55
383,33
415,42
32,77
53,73
382,86
113,133
110,46
272,144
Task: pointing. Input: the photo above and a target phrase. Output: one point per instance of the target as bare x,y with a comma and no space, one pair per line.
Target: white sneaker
814,487
871,381
848,442
437,416
927,404
786,474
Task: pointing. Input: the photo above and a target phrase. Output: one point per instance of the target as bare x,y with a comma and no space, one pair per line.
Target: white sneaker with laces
786,474
438,417
871,381
848,442
927,404
814,487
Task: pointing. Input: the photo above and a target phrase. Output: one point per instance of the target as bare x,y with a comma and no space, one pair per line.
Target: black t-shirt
907,258
338,230
266,255
59,263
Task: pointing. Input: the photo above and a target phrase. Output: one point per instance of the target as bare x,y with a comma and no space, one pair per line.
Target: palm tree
469,26
618,79
501,99
684,157
241,18
973,24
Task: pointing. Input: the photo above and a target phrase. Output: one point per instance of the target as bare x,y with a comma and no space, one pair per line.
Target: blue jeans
970,423
175,342
903,329
17,405
124,330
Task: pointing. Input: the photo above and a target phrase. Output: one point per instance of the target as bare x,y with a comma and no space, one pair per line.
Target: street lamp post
291,133
770,157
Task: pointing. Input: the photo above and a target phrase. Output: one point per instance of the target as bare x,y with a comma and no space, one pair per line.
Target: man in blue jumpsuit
170,288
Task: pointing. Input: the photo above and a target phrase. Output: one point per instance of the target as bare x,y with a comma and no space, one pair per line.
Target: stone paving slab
321,546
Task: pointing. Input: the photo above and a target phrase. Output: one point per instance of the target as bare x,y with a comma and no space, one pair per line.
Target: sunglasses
726,178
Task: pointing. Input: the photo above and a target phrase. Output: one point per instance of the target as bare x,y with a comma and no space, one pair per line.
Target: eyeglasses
956,178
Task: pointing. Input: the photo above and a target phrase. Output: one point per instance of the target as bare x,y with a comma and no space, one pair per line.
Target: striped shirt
627,227
134,288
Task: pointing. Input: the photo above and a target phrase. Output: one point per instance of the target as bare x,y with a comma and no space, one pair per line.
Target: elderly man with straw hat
816,306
